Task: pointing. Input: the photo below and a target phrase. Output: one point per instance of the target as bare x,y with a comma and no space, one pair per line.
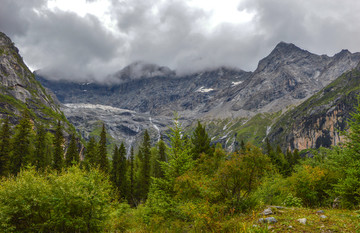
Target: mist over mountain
286,77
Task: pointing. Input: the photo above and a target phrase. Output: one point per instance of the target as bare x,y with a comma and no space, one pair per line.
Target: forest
186,184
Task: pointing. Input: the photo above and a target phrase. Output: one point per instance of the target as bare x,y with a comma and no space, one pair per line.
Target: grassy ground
337,220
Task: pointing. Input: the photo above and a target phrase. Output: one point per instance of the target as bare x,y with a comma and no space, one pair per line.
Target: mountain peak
284,47
141,69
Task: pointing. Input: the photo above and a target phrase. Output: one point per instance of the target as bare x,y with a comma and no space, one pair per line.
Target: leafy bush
290,200
72,201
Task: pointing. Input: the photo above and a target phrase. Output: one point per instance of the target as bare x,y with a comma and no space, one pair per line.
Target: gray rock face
20,89
123,125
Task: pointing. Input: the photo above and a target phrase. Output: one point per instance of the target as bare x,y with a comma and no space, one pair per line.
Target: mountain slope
319,120
19,90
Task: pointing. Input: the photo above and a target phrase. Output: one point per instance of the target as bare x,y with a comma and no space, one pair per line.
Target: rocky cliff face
319,120
20,90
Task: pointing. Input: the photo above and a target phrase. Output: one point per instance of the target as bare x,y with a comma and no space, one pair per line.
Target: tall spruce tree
72,154
91,159
102,152
122,182
114,174
161,157
22,147
5,147
40,149
131,176
200,141
58,158
145,166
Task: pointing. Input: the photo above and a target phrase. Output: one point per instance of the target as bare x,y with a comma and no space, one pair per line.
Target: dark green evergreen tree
158,171
72,154
91,159
102,152
200,141
114,174
122,182
145,166
40,149
131,177
58,157
22,147
5,147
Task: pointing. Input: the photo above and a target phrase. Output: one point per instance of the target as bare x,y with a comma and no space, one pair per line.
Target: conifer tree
161,157
131,176
114,176
40,149
138,177
58,148
22,148
200,141
102,153
91,159
145,165
122,182
72,154
5,147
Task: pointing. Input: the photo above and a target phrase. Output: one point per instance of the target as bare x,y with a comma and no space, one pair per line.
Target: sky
91,39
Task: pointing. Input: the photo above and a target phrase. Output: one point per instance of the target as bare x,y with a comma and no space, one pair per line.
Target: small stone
323,216
270,227
270,220
290,226
255,226
267,220
302,220
267,211
320,212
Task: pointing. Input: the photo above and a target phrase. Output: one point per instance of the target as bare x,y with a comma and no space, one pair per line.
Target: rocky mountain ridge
19,90
286,77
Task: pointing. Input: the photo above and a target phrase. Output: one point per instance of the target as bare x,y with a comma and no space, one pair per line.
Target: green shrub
73,201
290,200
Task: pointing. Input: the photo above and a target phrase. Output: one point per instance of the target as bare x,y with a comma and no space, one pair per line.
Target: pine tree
145,166
72,154
114,176
161,157
122,182
131,176
40,149
5,147
200,141
58,148
22,148
102,153
91,159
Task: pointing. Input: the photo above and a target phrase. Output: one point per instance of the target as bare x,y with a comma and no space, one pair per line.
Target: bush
290,200
72,201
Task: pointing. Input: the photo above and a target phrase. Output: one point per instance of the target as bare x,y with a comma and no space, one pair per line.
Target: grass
338,220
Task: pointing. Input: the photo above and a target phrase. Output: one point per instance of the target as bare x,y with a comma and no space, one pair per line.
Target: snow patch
236,83
155,126
97,106
268,130
204,90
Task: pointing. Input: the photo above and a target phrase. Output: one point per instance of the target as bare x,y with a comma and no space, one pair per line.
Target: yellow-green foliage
72,201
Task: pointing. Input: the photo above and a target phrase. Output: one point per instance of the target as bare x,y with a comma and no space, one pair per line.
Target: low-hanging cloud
172,33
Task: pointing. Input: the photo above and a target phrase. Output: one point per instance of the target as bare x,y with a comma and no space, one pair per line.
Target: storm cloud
173,33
